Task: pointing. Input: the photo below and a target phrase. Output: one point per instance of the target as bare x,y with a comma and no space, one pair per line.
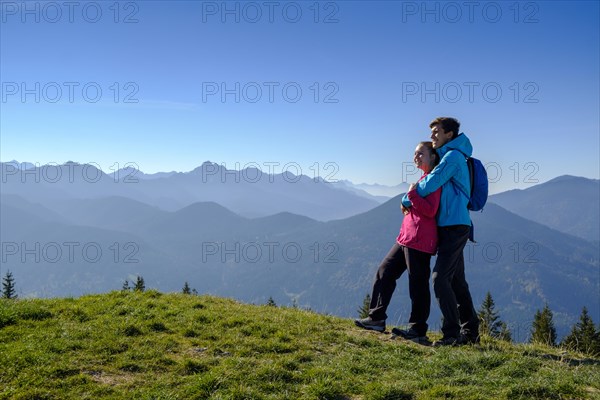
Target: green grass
125,345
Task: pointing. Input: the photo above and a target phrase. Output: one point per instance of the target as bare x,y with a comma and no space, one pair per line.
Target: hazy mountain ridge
567,203
383,190
220,252
249,192
349,186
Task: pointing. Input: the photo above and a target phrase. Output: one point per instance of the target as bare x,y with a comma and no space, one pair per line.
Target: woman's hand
405,210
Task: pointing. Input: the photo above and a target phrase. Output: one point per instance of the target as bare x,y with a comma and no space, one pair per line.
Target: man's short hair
449,124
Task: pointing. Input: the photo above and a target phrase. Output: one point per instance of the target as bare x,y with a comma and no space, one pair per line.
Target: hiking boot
370,324
469,338
448,341
411,335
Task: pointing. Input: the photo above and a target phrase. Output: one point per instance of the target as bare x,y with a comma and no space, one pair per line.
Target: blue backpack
479,184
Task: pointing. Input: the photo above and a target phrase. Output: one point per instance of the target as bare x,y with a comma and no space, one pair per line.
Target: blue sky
372,76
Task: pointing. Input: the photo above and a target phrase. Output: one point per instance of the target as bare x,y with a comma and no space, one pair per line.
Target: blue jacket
452,171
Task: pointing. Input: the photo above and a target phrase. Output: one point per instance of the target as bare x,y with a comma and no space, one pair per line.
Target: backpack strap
460,189
470,177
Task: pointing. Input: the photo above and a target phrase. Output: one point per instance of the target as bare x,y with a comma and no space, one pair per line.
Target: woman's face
423,158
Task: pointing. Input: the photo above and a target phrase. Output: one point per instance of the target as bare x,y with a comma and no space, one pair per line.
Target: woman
413,249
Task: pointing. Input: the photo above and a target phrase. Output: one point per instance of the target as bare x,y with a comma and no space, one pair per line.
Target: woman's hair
436,156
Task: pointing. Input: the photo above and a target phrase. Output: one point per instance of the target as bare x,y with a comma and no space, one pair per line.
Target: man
460,322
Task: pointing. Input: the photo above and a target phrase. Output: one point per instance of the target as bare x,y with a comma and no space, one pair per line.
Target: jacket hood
461,143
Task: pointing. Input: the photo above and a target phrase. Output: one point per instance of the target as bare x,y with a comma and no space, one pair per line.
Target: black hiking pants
398,260
450,285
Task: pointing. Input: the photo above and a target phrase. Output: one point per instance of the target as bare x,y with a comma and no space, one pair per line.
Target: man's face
439,136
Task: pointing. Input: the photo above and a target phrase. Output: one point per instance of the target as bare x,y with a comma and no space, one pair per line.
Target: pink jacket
419,228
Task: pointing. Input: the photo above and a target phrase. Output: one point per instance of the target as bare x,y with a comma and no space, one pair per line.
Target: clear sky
183,82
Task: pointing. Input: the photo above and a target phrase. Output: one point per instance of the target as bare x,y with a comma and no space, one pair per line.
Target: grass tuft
131,330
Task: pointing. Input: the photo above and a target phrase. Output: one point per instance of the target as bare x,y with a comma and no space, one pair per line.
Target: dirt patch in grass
111,379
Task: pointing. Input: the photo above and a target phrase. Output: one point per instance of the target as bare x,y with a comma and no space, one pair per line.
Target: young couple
436,218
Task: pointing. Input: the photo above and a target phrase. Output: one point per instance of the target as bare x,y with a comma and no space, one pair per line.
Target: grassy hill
125,345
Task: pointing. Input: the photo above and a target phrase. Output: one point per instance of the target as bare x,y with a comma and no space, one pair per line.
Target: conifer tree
584,336
504,333
140,286
8,286
271,302
363,311
489,321
126,286
186,289
543,330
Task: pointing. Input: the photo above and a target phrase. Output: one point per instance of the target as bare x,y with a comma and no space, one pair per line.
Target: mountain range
248,192
569,204
327,266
